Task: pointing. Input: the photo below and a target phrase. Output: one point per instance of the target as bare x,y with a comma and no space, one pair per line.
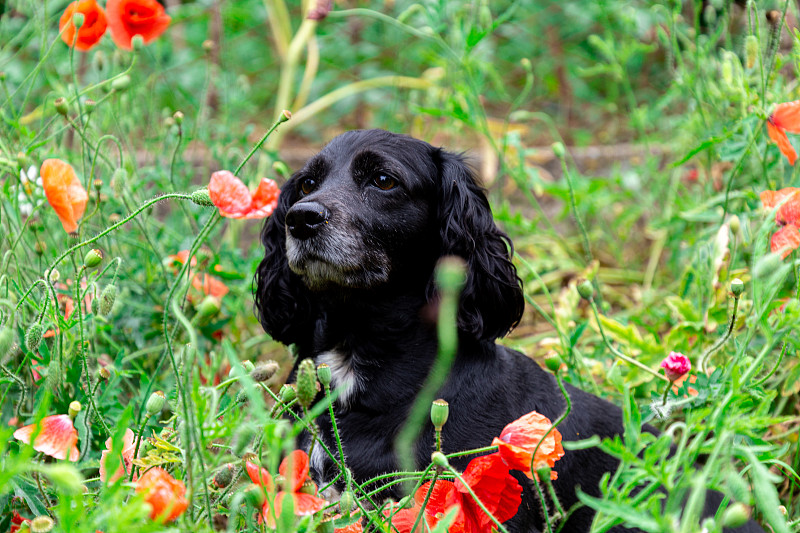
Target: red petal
520,438
441,496
403,520
779,137
489,479
210,285
164,493
785,240
265,199
57,438
297,461
94,24
259,476
305,504
64,192
787,116
127,18
229,194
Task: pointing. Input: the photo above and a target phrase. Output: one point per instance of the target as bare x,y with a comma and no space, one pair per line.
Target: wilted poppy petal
94,24
229,194
787,116
520,438
265,199
294,468
57,437
164,493
127,18
785,240
779,137
124,469
64,192
259,475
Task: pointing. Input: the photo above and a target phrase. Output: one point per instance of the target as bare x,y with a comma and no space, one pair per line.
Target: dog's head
376,210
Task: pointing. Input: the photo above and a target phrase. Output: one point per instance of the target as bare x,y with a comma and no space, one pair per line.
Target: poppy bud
735,224
406,502
208,45
121,83
224,476
285,115
44,524
241,398
78,19
74,409
137,43
450,274
93,258
306,383
33,337
104,373
61,106
95,306
287,393
737,287
736,515
6,340
585,289
201,197
751,50
558,150
107,298
347,502
248,366
40,247
155,403
118,180
22,160
98,184
440,410
53,276
178,117
727,72
254,496
324,375
242,437
439,459
264,371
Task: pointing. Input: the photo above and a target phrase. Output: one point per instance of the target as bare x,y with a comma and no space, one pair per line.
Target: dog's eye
384,183
308,185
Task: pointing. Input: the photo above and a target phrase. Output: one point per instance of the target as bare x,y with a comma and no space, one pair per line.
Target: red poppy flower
491,483
16,522
93,29
233,198
164,493
205,283
519,439
56,437
785,240
785,117
127,18
294,468
64,192
124,469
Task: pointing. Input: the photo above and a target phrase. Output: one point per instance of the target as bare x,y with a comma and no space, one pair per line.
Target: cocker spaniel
347,278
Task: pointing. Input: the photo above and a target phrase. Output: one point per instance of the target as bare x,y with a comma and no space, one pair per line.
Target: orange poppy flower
127,18
205,283
93,29
233,198
519,439
785,240
785,117
124,469
294,468
57,437
64,192
16,522
164,493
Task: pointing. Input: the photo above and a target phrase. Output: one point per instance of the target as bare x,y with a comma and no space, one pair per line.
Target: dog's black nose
304,219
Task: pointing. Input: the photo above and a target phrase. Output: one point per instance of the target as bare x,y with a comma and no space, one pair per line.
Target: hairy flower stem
139,436
666,393
341,462
20,383
616,352
717,345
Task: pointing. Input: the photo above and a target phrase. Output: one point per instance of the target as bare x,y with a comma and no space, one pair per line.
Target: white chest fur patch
343,376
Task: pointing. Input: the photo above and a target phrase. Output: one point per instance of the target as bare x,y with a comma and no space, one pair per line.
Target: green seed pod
287,393
40,247
107,298
155,403
439,459
450,274
324,375
121,83
33,337
440,410
264,371
750,51
89,105
553,362
585,289
78,19
44,524
74,409
6,340
737,287
178,117
22,160
307,386
224,476
201,197
736,515
558,150
285,115
104,373
61,106
735,225
137,43
93,258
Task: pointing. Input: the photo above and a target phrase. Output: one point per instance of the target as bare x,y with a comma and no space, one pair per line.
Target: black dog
347,278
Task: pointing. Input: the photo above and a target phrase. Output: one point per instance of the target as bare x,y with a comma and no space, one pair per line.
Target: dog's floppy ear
492,300
282,302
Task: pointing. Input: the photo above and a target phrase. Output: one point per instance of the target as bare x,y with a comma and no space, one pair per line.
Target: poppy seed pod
285,115
178,117
74,408
553,362
61,106
33,337
585,289
306,382
93,258
440,410
78,19
558,150
737,287
155,403
324,375
450,274
137,43
735,224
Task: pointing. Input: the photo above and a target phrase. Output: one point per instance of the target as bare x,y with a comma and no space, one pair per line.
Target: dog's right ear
282,301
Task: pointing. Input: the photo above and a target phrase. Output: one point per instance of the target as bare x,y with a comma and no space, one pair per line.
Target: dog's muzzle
305,219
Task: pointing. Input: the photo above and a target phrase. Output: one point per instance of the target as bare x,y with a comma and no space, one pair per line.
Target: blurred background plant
652,193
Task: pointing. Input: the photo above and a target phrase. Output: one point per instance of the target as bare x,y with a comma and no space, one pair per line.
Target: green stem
717,345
